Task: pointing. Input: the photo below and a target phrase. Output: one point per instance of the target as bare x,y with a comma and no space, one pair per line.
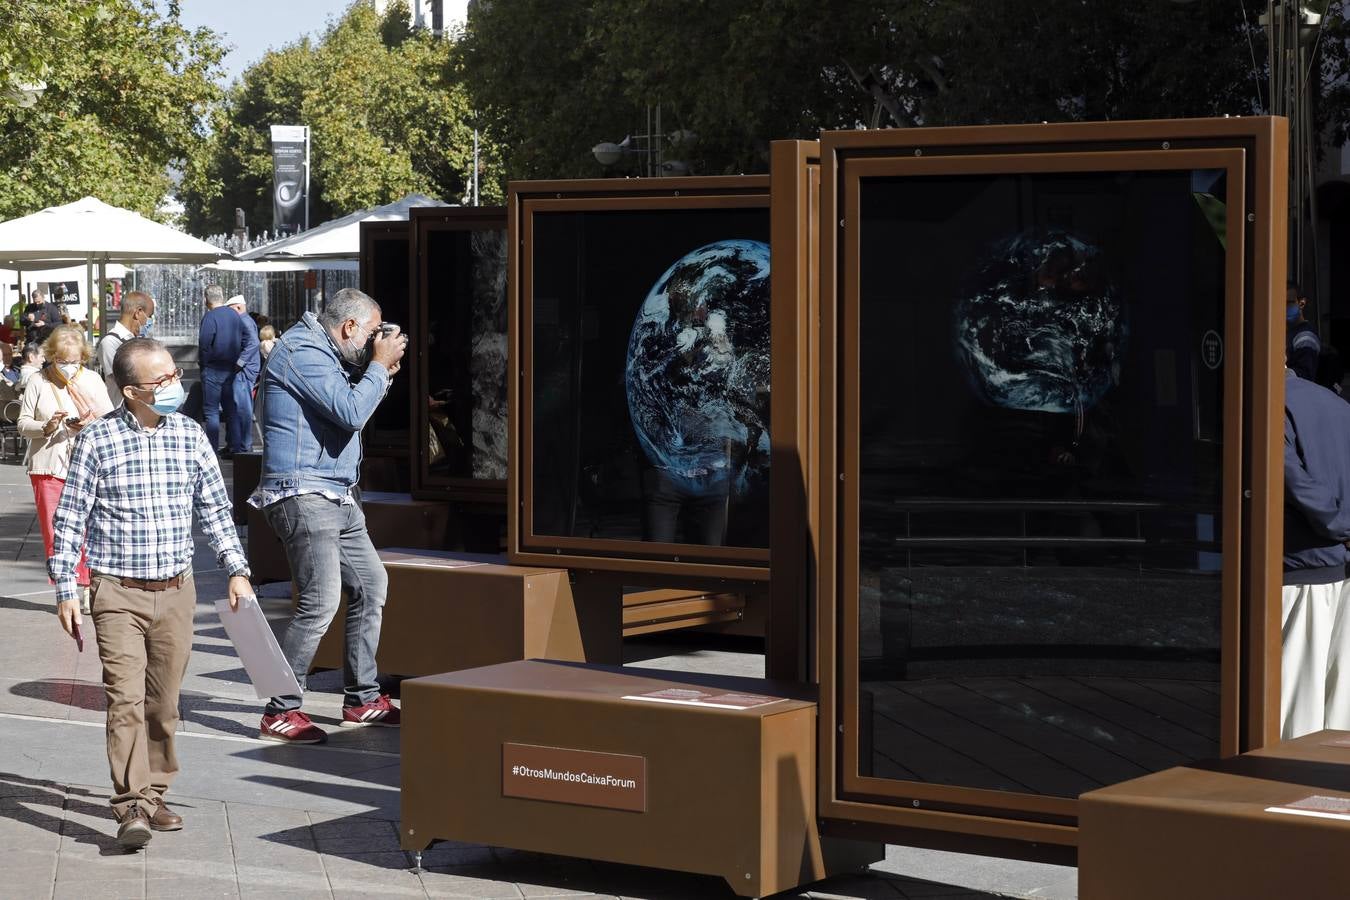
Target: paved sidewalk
264,820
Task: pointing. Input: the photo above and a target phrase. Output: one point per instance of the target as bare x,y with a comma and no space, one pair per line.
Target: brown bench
572,759
449,611
1203,830
646,612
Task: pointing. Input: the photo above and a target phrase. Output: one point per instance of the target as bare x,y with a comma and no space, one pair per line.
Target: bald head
137,308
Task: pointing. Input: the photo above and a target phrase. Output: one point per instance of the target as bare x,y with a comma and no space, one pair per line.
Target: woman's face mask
68,370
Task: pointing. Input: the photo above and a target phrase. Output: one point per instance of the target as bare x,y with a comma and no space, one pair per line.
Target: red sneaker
377,712
291,727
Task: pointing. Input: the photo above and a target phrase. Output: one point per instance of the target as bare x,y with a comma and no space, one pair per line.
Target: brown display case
1050,391
458,336
590,488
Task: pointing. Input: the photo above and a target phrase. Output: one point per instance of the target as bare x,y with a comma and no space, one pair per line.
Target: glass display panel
650,382
1040,410
466,354
388,284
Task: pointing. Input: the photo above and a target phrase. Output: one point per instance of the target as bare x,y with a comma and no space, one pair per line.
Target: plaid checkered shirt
130,495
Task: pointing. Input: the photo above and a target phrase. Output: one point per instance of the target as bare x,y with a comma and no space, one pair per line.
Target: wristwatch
242,573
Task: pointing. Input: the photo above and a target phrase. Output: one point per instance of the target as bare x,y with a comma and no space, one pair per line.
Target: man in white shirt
138,308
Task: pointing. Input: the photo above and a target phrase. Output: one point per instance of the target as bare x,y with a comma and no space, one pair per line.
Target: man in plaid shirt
137,475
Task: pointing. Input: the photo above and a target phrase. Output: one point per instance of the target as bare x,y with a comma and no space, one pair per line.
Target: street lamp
650,145
24,94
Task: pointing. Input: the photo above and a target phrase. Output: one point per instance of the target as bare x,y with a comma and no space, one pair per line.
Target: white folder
257,648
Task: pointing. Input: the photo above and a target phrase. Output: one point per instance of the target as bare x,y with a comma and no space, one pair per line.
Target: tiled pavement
263,820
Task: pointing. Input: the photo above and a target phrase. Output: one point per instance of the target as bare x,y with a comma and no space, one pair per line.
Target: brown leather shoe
164,818
133,832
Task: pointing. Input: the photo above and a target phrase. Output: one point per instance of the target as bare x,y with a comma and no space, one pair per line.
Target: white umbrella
284,265
52,276
89,231
340,238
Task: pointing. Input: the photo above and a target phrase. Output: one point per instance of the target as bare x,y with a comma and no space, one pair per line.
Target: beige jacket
50,455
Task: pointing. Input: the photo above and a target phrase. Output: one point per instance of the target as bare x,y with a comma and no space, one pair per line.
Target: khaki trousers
1315,663
144,641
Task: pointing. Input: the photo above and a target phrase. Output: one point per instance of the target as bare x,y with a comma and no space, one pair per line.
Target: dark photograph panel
1040,400
651,376
466,354
388,283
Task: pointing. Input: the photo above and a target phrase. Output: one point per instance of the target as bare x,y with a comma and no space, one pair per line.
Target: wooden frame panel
795,238
423,221
524,545
1252,456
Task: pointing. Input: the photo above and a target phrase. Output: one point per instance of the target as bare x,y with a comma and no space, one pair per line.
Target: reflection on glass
1039,545
651,375
388,280
466,354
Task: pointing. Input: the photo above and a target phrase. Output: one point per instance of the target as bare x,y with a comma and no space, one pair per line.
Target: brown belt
143,584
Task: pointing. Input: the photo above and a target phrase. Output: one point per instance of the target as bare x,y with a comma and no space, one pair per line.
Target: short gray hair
215,295
134,302
348,303
124,361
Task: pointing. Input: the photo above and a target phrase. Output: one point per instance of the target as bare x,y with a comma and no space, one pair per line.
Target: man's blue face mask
1291,312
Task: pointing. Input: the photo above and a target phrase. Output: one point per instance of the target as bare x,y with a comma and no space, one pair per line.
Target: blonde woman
57,403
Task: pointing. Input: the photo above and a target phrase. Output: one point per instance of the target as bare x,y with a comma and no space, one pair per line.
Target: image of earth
1042,326
697,372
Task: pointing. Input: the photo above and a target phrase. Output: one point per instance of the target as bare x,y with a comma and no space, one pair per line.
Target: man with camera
324,378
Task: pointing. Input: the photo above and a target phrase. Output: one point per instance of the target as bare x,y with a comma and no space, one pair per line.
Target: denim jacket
315,408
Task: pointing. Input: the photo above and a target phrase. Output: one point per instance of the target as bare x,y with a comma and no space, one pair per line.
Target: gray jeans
329,552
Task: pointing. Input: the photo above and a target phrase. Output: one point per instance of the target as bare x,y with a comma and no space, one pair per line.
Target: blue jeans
330,551
239,426
217,394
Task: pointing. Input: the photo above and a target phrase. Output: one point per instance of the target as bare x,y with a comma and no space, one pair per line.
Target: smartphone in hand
79,638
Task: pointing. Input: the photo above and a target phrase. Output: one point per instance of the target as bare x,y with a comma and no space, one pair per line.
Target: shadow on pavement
19,795
65,691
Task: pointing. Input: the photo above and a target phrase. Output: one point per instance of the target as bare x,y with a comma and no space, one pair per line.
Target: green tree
552,79
387,116
127,86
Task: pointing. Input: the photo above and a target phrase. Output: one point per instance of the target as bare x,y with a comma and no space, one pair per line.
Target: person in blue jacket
1302,347
323,380
1315,663
220,342
239,428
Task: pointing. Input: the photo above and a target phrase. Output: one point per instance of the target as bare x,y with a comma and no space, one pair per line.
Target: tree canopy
126,88
387,113
550,80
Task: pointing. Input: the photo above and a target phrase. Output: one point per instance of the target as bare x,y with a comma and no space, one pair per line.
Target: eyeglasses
161,381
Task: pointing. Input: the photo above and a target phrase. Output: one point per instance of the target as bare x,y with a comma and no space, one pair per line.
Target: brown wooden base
442,616
1203,830
724,792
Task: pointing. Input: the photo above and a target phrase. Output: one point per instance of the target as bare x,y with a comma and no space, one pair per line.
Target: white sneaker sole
376,724
281,739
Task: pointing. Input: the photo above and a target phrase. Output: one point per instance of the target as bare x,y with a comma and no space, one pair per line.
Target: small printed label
712,699
1318,806
579,777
